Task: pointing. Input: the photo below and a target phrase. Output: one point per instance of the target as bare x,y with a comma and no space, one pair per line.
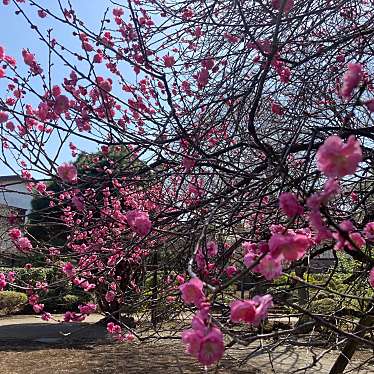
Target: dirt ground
130,359
30,346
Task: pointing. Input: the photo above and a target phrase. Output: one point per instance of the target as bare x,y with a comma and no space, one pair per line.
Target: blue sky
16,34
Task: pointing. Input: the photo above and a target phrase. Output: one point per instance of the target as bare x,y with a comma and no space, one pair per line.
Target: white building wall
13,196
13,193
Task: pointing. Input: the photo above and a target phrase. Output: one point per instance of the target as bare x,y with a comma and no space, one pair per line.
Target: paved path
34,329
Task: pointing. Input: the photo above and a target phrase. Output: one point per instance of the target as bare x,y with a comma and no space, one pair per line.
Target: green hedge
61,295
31,276
12,302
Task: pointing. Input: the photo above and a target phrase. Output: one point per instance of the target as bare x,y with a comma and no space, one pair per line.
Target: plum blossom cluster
118,334
285,245
22,243
336,159
252,311
205,340
84,311
67,172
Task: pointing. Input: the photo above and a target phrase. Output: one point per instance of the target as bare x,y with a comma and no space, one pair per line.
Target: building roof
10,177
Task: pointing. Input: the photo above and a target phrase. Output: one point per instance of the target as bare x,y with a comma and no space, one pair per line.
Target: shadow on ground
33,335
32,346
80,348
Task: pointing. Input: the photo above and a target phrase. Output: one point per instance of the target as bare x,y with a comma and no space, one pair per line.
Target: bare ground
157,358
28,346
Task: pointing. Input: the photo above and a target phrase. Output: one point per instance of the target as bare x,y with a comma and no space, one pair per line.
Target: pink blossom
139,222
212,248
369,231
243,311
351,79
169,61
87,286
69,269
330,188
188,163
2,73
277,4
289,204
10,126
180,279
192,292
211,347
204,342
10,60
285,74
41,187
370,105
42,286
230,271
67,172
98,58
3,281
46,316
104,84
192,338
14,233
33,299
200,259
251,311
73,317
249,259
118,12
230,38
338,159
112,328
346,225
198,33
24,244
78,202
348,228
263,304
290,246
202,78
129,337
354,197
87,308
42,13
56,91
371,278
11,276
249,247
187,13
340,58
28,57
358,240
269,267
276,108
61,104
3,117
38,308
110,296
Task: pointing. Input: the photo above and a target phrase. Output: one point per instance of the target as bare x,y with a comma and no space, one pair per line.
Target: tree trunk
351,346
